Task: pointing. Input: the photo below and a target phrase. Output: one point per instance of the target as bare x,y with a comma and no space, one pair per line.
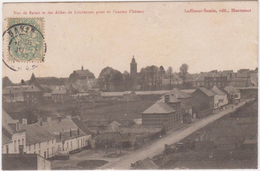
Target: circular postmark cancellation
23,43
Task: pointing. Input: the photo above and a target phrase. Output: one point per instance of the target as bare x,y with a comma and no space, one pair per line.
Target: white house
69,136
13,137
220,97
39,141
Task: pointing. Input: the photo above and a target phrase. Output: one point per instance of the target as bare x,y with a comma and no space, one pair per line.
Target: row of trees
149,78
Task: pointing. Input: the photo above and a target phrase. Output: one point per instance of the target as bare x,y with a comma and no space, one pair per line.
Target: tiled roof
205,91
59,90
32,88
231,89
63,126
159,108
36,133
216,90
172,99
5,140
115,123
15,89
85,73
179,94
200,77
81,126
47,95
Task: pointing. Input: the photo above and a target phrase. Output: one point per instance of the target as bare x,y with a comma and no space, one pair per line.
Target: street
157,147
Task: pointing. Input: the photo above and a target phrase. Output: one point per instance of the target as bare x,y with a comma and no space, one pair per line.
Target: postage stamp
23,43
26,40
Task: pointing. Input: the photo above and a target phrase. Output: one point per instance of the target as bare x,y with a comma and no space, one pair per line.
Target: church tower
133,68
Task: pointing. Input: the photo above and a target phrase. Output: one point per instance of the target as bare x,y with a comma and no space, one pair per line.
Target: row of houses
241,78
177,107
47,138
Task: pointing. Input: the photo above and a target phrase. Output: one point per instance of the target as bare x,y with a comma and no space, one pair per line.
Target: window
14,145
34,146
29,147
39,145
52,141
22,141
47,152
71,145
58,147
39,152
18,143
68,145
52,151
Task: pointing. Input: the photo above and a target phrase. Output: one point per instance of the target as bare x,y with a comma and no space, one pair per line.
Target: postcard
130,85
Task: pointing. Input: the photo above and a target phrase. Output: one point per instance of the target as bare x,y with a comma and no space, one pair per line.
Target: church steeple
133,68
133,60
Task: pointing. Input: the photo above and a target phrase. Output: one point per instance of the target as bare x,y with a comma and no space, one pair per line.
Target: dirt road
157,147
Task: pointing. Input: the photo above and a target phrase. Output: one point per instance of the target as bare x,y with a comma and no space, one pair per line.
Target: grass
124,111
228,132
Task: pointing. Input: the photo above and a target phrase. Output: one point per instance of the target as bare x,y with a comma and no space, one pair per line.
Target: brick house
159,114
202,102
59,95
32,95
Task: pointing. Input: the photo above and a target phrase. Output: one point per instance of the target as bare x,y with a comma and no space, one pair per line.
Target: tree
6,82
170,72
183,73
117,80
33,79
22,82
162,71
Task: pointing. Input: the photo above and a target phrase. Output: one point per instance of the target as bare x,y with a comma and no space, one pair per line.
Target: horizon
96,77
152,37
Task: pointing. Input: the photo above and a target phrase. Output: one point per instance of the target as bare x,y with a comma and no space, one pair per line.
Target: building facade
202,102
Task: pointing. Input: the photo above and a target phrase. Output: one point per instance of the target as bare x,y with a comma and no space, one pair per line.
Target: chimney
78,131
166,98
68,117
24,121
40,121
48,119
70,133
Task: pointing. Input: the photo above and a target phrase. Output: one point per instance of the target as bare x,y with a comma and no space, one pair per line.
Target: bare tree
183,73
170,72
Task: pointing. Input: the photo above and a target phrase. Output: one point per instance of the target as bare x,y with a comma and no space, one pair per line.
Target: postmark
24,46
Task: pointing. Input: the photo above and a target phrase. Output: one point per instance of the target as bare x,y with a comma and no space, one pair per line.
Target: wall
43,164
16,137
218,104
43,147
201,102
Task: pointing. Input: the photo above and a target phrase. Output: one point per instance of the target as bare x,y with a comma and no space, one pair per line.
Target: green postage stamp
25,40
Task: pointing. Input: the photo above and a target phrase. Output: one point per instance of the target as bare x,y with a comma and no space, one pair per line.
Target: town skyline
152,37
28,76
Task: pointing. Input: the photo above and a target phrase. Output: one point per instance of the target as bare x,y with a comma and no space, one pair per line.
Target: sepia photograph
130,85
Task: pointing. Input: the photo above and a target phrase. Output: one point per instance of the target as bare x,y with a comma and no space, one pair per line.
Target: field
229,151
123,111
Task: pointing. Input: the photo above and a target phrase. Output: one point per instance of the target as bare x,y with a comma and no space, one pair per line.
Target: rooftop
159,108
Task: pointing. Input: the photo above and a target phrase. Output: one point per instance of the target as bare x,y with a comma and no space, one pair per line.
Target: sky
163,35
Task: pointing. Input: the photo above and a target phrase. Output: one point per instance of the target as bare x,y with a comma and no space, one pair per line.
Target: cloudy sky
163,35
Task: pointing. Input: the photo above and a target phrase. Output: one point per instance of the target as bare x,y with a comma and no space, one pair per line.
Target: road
157,147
